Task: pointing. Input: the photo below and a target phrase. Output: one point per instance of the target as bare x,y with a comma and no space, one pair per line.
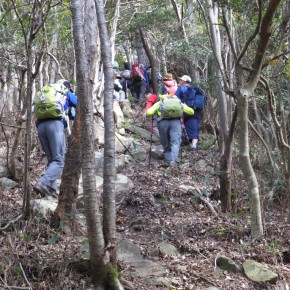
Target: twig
13,126
210,206
24,275
215,263
10,222
15,287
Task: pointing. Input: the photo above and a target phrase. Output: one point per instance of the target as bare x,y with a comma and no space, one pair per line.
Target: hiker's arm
187,110
72,99
153,110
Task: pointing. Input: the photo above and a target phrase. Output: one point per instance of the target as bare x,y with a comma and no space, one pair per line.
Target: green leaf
219,230
18,271
53,239
26,237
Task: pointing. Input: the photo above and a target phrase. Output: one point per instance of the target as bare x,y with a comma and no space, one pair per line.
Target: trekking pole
151,136
98,114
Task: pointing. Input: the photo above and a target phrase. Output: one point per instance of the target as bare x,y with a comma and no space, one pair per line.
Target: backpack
126,74
170,108
195,97
49,102
137,71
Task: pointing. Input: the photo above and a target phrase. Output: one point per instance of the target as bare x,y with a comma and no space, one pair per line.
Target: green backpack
170,108
49,102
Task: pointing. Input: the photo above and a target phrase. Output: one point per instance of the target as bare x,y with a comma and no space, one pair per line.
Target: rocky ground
172,216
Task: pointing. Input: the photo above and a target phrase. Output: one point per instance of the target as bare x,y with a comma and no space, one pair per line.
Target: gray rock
168,249
8,183
3,170
211,288
44,207
227,264
120,162
127,251
139,153
145,268
131,254
99,159
118,115
99,183
123,184
123,144
145,134
258,272
200,164
157,152
159,281
127,110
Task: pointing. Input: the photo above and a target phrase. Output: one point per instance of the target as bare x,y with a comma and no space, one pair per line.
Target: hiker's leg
55,134
195,135
192,129
137,88
41,129
142,90
163,127
175,138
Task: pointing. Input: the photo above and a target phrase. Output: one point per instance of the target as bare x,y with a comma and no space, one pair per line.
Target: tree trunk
225,144
245,163
151,60
109,205
68,191
94,225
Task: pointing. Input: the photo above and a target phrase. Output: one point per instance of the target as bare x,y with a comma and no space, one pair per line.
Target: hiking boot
193,149
53,192
42,189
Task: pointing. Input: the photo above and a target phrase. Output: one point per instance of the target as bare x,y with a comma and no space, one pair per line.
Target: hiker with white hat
191,122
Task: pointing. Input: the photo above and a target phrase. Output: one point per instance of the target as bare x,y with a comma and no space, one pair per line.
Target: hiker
169,110
191,123
138,80
51,126
126,82
169,85
118,94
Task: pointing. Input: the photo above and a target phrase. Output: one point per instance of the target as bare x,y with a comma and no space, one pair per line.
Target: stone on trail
259,273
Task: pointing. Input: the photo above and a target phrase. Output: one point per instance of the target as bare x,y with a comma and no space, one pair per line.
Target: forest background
238,51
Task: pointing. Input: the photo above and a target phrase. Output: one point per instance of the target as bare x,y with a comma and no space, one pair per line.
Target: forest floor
36,256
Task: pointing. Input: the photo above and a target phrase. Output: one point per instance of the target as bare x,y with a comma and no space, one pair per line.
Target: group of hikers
177,105
174,106
175,109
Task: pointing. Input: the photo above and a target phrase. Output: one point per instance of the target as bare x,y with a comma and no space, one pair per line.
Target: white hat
186,79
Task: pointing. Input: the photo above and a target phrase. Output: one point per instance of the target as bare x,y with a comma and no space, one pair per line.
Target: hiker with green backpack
170,110
49,107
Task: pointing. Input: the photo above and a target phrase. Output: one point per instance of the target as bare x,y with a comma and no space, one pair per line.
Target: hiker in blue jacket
51,133
191,122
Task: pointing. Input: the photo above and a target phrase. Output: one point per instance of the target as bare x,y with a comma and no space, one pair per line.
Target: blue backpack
194,97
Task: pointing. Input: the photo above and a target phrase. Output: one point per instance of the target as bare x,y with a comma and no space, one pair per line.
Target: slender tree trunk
151,60
246,166
94,225
225,144
109,206
14,147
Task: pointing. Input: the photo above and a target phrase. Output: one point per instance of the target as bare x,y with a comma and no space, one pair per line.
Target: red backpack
137,70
